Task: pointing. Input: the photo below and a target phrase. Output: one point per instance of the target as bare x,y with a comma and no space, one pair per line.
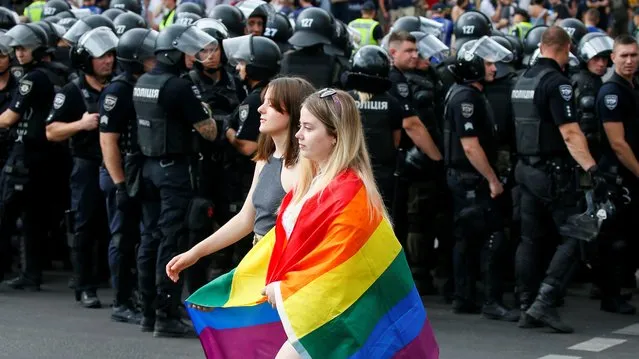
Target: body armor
586,86
222,99
89,140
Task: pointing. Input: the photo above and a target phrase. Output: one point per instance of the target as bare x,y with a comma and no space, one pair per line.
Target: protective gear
370,67
134,47
231,17
186,18
313,26
517,48
586,86
218,31
418,24
504,69
365,29
29,36
33,12
128,21
85,25
54,7
534,136
54,34
176,40
256,8
471,56
430,47
595,44
261,55
92,45
531,42
7,20
127,5
470,25
544,309
112,13
279,29
190,7
520,30
67,23
575,28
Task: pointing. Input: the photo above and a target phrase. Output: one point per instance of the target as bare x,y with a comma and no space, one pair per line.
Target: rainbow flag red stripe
343,289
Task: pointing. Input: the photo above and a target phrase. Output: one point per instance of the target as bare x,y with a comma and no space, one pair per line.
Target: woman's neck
280,144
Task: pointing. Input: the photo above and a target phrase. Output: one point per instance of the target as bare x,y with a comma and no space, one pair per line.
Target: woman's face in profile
314,141
271,121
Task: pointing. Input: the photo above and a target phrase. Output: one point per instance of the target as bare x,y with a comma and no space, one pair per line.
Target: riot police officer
112,13
256,13
54,7
231,17
118,142
167,110
279,29
126,5
531,43
617,107
8,85
313,30
594,51
74,117
24,177
86,24
470,157
549,142
127,21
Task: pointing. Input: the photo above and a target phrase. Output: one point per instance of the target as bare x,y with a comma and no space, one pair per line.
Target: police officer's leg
150,239
85,192
10,211
421,236
611,251
172,179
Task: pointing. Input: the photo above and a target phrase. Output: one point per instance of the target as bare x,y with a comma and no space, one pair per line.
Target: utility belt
17,169
549,163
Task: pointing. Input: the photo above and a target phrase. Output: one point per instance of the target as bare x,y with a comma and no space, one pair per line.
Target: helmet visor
216,25
429,46
238,49
193,41
429,26
76,31
98,41
249,8
22,36
59,30
597,46
490,50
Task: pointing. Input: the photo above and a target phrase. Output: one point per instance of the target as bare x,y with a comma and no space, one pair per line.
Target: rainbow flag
343,289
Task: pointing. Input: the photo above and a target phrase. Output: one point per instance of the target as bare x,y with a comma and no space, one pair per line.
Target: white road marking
555,356
629,330
597,344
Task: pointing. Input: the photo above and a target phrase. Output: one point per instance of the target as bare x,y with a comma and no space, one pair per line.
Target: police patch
244,112
104,120
25,87
566,92
109,102
196,92
467,109
402,89
611,101
17,72
58,101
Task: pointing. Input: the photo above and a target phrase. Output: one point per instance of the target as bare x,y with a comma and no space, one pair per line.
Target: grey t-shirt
268,195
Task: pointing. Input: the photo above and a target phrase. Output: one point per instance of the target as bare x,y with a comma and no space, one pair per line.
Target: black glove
599,184
121,196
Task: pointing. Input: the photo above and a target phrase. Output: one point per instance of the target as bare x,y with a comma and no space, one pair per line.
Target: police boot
525,320
543,309
23,283
493,307
125,313
617,305
147,321
168,322
89,299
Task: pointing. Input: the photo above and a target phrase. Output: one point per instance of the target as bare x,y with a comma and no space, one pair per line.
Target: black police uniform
543,101
87,201
166,110
381,117
618,101
117,115
6,140
478,225
24,180
312,64
586,86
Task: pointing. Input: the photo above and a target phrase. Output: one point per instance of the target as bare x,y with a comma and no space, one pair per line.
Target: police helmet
112,13
231,17
67,22
255,8
595,44
575,28
471,25
573,61
176,40
531,41
504,68
191,8
7,20
417,24
136,46
86,24
186,18
517,48
341,41
67,14
369,71
29,36
92,45
54,33
279,29
53,7
126,5
313,26
261,55
469,64
128,21
217,30
430,47
5,50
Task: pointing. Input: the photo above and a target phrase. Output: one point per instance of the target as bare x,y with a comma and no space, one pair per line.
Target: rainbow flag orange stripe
343,289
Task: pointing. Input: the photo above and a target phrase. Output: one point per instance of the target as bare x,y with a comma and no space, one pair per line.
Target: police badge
467,109
25,87
109,102
58,101
566,92
402,89
243,111
611,101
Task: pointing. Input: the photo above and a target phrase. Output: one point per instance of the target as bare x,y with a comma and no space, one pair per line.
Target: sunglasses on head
329,92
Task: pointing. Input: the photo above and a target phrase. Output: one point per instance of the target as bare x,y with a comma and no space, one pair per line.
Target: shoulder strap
85,100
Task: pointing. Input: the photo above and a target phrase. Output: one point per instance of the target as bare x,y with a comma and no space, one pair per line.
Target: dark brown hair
555,37
592,15
287,95
624,40
401,36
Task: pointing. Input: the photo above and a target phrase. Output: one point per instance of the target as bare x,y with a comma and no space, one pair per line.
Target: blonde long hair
340,115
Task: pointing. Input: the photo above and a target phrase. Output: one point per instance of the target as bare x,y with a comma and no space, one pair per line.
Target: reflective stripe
168,20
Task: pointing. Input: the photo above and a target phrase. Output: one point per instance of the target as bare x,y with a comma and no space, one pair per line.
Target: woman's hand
269,293
180,263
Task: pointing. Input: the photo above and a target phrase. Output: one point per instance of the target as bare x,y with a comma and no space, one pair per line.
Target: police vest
34,11
158,135
222,99
586,86
30,129
533,136
168,20
86,144
631,121
128,141
365,29
320,70
498,95
521,30
424,98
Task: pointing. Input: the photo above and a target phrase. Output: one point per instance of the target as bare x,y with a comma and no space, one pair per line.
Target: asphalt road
49,324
